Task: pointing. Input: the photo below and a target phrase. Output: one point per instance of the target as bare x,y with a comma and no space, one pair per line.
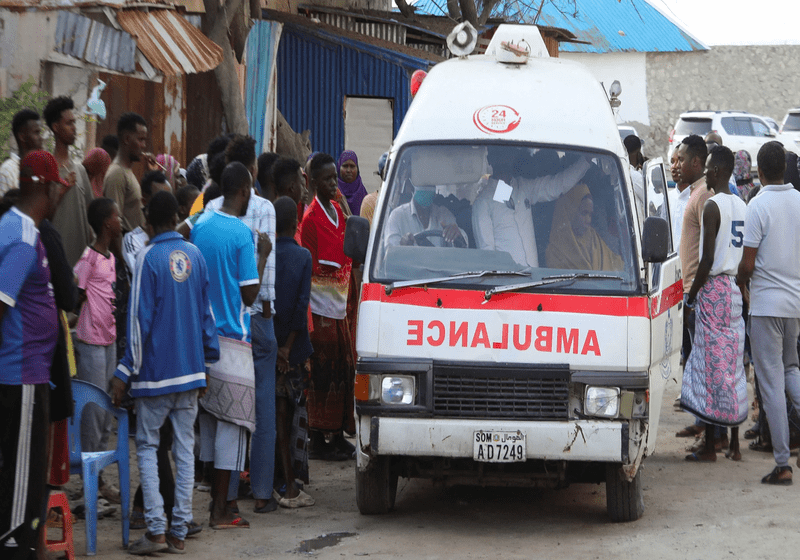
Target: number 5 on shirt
736,232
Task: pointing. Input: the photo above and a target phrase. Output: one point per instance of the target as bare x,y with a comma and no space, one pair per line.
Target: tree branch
488,6
468,11
405,9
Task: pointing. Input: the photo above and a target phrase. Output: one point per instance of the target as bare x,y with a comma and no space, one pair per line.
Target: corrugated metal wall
316,72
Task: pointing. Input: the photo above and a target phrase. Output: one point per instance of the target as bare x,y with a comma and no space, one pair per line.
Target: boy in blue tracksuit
172,336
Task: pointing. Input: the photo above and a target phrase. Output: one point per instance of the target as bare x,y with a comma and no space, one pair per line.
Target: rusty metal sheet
171,44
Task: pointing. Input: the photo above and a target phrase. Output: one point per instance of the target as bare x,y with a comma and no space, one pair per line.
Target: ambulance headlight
601,401
397,389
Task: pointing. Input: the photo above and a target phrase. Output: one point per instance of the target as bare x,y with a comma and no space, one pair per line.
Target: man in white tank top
714,385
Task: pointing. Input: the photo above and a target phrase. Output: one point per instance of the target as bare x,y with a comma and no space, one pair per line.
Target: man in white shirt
679,197
502,219
772,259
420,215
27,133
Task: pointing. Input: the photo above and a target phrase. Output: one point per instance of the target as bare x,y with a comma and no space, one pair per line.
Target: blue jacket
172,335
292,290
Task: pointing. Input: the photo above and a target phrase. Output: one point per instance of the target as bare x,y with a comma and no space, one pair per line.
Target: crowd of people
215,302
739,251
218,304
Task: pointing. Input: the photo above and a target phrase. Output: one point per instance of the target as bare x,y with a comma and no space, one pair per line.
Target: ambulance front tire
624,499
376,486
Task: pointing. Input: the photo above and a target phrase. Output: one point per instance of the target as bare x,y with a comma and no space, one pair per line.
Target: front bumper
574,440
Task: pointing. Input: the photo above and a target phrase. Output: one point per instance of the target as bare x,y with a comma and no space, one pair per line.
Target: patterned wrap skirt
714,384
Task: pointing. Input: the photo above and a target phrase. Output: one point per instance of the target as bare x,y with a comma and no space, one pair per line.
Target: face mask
424,197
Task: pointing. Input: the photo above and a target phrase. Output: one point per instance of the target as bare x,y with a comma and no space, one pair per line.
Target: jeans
151,413
774,341
262,442
96,364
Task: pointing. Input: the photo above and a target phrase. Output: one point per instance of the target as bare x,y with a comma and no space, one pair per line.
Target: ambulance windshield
540,210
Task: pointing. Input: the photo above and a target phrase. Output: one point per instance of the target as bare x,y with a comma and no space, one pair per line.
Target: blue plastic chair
90,464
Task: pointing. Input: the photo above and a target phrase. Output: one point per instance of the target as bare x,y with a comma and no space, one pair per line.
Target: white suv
790,128
739,130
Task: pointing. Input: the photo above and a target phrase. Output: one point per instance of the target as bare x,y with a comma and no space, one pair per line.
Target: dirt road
706,511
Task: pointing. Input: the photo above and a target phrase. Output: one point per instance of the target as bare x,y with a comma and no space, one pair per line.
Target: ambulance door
665,299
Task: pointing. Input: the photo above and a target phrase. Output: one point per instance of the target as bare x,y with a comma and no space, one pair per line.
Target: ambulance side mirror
356,238
655,240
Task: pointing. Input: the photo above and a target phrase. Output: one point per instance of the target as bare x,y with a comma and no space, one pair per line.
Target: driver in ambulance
422,215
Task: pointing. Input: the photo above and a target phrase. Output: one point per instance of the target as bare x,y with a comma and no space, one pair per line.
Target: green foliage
26,96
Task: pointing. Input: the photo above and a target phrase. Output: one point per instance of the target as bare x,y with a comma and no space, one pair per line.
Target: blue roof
607,25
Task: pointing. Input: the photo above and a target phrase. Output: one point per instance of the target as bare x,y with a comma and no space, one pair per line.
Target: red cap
40,167
416,81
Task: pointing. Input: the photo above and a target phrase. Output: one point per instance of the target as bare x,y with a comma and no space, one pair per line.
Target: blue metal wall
316,70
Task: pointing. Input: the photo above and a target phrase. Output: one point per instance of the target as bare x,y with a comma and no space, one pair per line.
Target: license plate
499,447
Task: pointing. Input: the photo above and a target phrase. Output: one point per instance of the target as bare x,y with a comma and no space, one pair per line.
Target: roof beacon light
462,39
514,53
516,44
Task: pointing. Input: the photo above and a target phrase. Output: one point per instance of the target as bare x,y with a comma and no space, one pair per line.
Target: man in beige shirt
120,183
692,153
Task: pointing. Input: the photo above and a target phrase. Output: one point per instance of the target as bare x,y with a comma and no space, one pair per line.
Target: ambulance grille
540,397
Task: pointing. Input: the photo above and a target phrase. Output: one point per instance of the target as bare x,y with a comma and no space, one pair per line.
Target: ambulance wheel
376,487
624,500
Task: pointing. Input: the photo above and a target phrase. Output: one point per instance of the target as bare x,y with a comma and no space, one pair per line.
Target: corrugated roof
607,26
94,42
384,48
171,44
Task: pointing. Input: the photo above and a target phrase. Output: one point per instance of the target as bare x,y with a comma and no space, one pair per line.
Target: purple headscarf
356,191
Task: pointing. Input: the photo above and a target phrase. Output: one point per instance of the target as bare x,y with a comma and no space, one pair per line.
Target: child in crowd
96,331
292,292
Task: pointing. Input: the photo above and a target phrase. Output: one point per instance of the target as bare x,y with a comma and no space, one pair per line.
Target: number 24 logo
736,231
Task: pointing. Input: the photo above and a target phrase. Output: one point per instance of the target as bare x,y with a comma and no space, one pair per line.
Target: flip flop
695,458
237,523
193,527
172,549
271,505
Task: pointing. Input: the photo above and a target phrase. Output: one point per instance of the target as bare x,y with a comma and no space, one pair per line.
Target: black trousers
24,433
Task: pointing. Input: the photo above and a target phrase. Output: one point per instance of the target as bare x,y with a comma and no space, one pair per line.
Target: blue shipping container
317,70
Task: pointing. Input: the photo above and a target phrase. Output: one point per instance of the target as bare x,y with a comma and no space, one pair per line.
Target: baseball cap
39,167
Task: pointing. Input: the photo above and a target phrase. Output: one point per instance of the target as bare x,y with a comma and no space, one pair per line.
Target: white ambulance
519,316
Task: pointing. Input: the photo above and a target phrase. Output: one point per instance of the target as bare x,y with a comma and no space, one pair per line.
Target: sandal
691,431
695,458
236,523
777,477
760,445
753,432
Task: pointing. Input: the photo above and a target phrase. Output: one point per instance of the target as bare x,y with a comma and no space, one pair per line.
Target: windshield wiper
459,276
548,280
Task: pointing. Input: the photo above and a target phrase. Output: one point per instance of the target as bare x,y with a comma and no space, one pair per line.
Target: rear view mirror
655,240
356,238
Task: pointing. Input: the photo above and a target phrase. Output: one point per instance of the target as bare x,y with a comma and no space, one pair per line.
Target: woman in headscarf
741,172
574,243
96,163
350,181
